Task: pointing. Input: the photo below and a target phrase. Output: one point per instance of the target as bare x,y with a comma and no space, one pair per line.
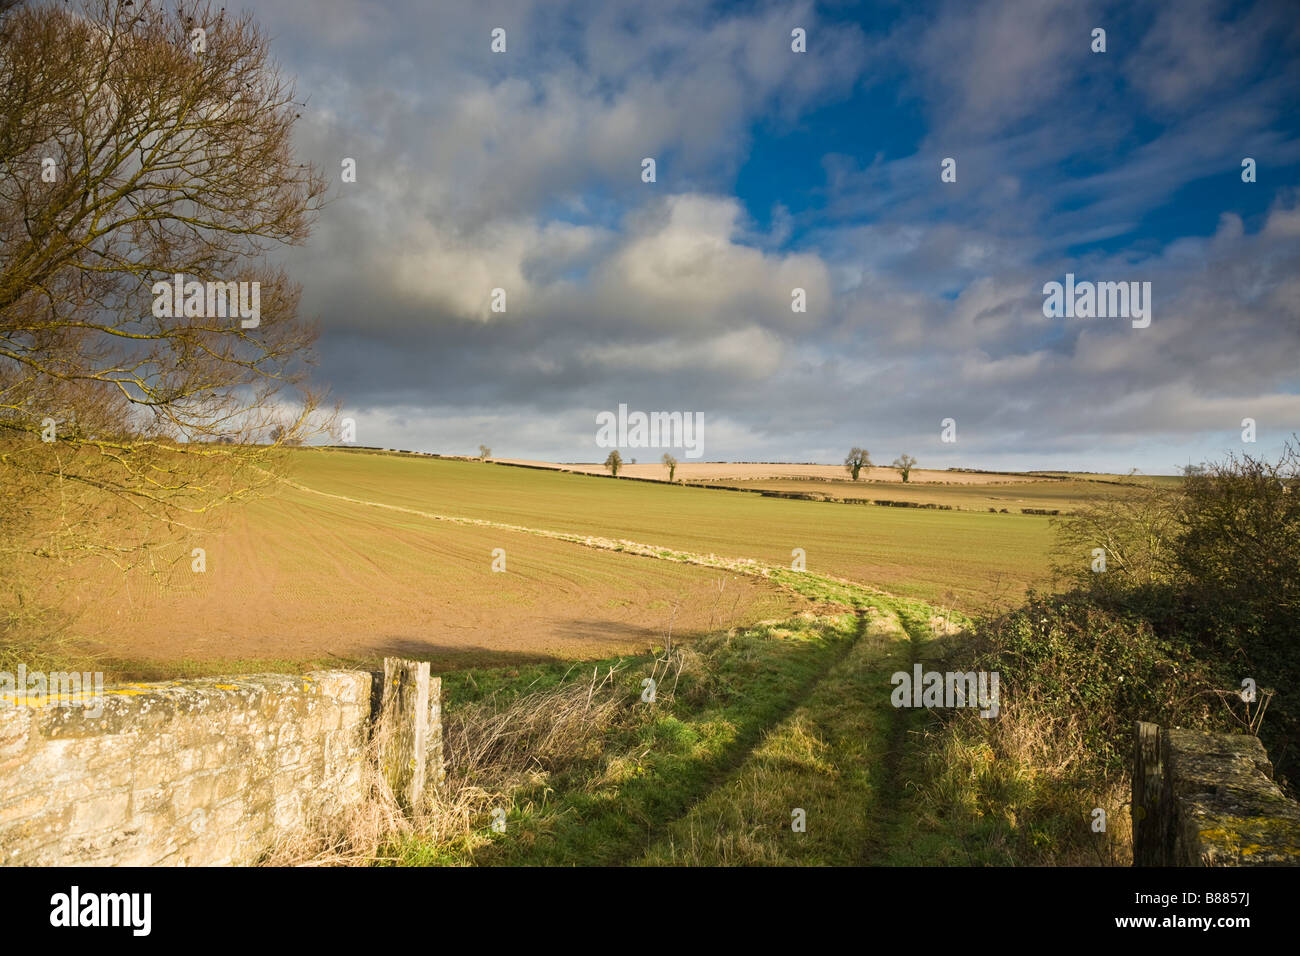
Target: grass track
822,758
796,716
609,810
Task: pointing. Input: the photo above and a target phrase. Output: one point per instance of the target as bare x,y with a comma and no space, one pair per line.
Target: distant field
1013,495
914,553
1164,481
747,471
978,491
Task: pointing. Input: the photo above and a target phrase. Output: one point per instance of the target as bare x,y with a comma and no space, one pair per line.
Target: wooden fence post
403,729
435,769
1150,817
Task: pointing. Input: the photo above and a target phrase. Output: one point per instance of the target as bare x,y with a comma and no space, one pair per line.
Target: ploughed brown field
307,578
373,554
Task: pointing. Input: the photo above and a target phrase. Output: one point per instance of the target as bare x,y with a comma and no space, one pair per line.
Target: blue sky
819,170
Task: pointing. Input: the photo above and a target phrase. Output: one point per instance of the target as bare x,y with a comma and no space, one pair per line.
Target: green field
910,552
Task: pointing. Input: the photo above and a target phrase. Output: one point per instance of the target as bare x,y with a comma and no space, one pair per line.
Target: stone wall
1202,799
193,772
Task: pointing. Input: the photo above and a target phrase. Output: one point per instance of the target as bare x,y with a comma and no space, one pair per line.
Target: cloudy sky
818,170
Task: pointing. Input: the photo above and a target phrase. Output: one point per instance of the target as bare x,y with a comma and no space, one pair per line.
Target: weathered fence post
434,768
403,729
1150,822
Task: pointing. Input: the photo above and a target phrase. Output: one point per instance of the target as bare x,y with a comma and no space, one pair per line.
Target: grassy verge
1026,788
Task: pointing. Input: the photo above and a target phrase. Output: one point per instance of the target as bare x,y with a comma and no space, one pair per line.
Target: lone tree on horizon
904,464
858,459
671,464
484,452
614,462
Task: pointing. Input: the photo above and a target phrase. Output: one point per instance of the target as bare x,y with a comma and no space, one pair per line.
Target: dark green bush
1084,670
1236,574
1213,567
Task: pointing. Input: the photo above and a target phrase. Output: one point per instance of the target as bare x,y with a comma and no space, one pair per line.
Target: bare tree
484,452
1134,532
144,149
671,464
857,459
904,464
614,462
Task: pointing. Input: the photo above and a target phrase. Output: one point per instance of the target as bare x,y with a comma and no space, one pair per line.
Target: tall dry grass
1018,785
491,748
